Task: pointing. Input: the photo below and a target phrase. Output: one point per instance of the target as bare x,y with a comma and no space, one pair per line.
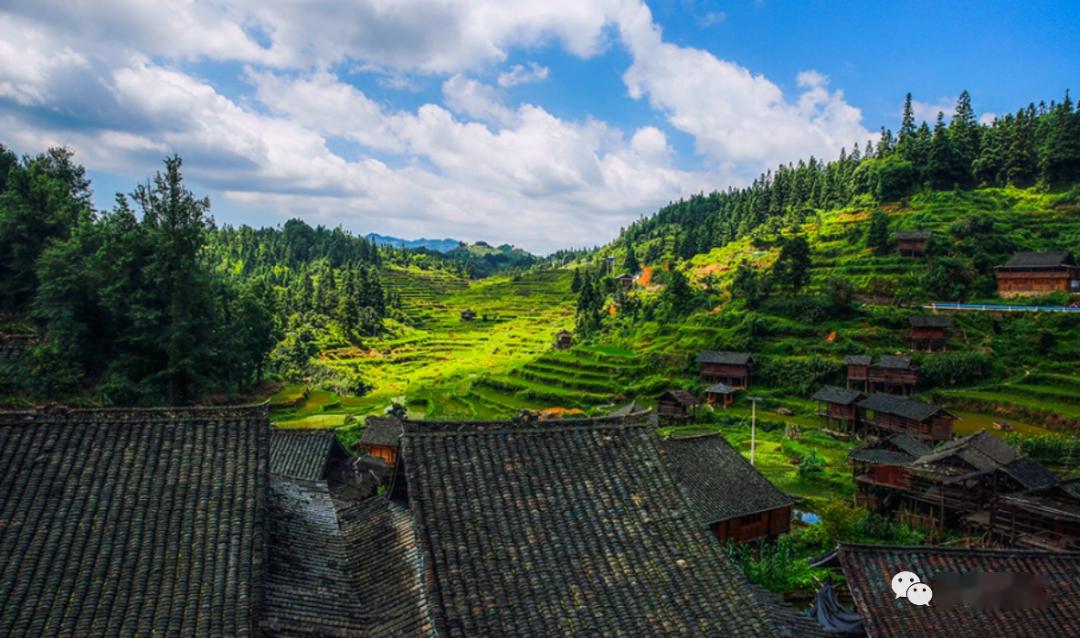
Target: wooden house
625,281
1042,518
564,339
879,469
912,243
381,439
731,368
676,406
1032,273
857,368
892,374
1004,593
962,477
468,314
891,414
729,495
839,405
719,393
928,332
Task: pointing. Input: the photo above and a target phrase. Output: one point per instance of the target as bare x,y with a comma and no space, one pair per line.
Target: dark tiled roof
681,396
878,456
833,394
1029,473
132,522
301,453
908,444
381,431
720,388
900,406
869,570
930,321
725,357
307,591
1071,487
857,360
383,558
720,483
630,408
892,361
914,234
979,450
1024,260
569,527
340,574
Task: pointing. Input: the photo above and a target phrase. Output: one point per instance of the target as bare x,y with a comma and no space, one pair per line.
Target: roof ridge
54,413
957,550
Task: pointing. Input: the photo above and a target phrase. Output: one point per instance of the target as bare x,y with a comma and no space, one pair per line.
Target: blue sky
546,125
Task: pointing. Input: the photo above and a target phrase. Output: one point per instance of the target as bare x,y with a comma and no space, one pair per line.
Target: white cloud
521,74
108,79
928,111
736,118
987,118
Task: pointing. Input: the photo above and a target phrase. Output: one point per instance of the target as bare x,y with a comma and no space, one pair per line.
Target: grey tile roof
132,522
719,482
383,558
893,361
346,573
857,360
980,450
1023,260
725,357
382,431
833,394
307,591
914,234
869,570
1030,473
681,396
898,449
900,406
302,453
720,388
878,456
569,527
630,408
930,321
1071,487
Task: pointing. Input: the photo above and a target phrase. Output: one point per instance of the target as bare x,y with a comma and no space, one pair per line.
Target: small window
750,519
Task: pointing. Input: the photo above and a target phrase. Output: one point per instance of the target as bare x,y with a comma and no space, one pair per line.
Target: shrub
777,566
955,368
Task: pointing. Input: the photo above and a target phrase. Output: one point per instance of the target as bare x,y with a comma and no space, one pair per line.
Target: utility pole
753,426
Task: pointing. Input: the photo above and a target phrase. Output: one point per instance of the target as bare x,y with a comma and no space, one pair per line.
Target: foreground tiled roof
719,482
833,394
1038,260
307,591
725,357
568,527
382,431
340,574
869,570
132,522
301,453
900,406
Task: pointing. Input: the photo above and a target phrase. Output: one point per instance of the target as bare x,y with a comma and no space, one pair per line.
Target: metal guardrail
1000,307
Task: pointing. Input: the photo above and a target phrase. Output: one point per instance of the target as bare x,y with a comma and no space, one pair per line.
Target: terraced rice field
1042,393
441,367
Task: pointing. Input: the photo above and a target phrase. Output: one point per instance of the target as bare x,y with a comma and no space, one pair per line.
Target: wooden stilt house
839,406
719,394
731,368
928,332
1031,273
891,414
912,243
1043,518
857,371
676,406
892,374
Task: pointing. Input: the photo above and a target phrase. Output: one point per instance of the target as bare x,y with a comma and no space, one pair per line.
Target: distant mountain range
438,245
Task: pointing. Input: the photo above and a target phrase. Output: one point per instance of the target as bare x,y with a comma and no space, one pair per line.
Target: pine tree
906,136
877,233
964,134
630,264
792,267
1059,161
943,164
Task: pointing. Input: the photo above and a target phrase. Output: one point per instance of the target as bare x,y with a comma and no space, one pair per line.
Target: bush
811,466
955,368
777,567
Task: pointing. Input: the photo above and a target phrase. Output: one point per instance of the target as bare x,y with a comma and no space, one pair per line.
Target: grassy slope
443,368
